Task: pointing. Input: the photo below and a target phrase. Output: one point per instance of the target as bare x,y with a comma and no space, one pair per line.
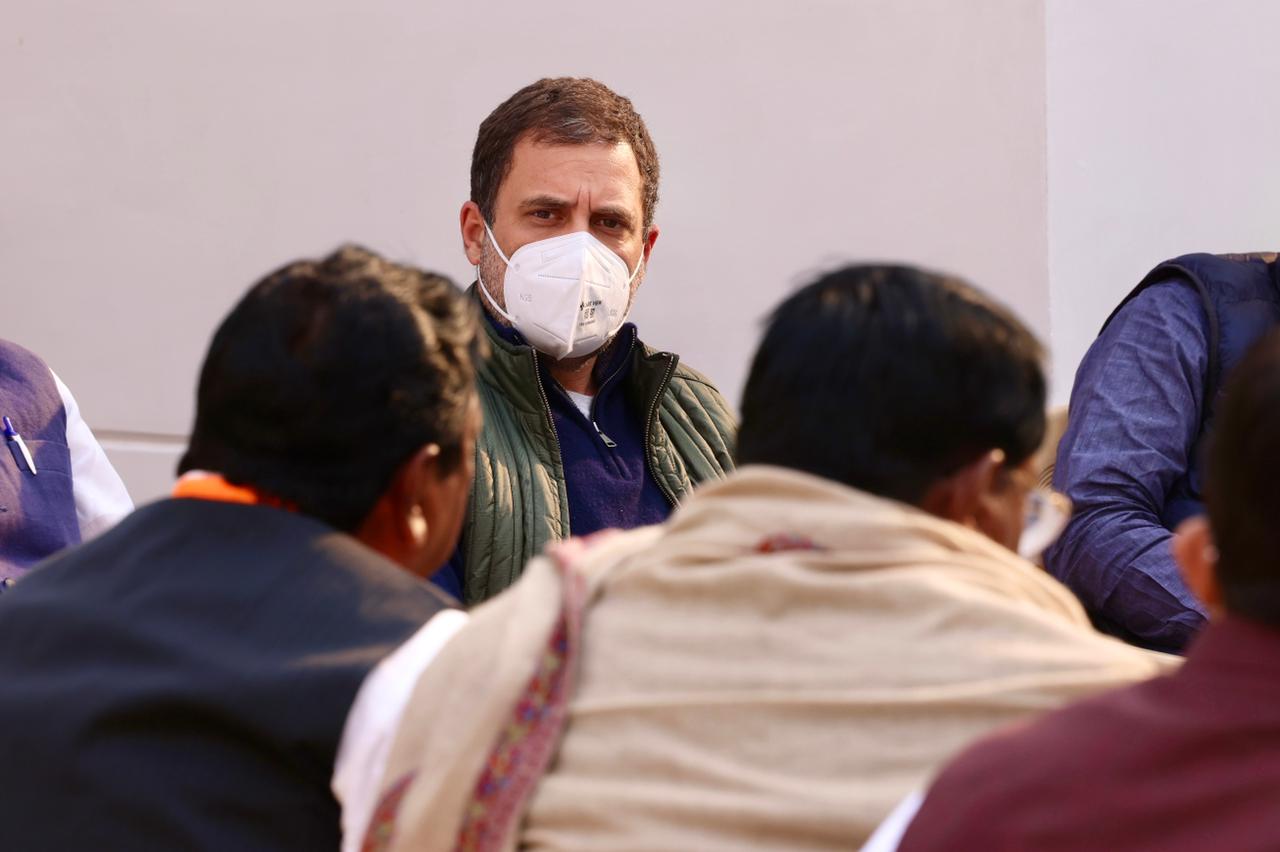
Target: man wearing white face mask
586,428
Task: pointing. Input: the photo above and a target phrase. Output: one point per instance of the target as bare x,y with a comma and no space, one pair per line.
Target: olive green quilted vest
519,502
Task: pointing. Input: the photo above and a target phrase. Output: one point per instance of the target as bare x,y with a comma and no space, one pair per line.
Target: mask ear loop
622,319
485,290
636,271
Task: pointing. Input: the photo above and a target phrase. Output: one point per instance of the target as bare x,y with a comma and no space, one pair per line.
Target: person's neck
577,375
572,374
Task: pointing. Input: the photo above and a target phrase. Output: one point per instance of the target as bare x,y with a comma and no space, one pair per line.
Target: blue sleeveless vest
37,513
1241,296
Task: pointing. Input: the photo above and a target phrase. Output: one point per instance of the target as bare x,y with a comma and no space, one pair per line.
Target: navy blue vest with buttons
37,512
1241,296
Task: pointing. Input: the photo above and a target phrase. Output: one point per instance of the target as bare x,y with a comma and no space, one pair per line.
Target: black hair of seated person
1242,485
890,378
328,375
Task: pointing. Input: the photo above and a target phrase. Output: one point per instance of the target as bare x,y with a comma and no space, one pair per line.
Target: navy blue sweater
607,477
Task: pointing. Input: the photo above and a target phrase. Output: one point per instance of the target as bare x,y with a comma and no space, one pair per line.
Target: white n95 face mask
567,295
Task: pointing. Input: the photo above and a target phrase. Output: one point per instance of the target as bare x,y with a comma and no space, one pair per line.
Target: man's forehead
607,171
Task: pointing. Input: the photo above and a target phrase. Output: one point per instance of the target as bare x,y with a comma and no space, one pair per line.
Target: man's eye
541,214
610,224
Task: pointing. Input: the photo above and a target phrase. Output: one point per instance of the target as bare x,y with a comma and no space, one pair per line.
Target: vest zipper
608,442
648,429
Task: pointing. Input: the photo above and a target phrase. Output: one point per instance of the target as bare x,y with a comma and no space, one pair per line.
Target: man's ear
650,237
399,526
415,482
1197,557
959,497
471,222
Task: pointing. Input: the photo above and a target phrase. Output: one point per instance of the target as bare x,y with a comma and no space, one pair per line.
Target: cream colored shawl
775,667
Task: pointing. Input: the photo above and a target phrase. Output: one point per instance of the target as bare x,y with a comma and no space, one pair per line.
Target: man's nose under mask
566,295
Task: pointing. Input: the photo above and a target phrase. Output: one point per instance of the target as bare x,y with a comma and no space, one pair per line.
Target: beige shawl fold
775,667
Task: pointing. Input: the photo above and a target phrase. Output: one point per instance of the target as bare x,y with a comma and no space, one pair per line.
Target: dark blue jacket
1142,403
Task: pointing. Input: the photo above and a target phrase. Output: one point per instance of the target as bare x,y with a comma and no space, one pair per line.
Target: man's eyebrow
541,202
620,213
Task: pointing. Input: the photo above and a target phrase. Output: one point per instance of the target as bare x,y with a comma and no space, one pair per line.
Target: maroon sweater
1190,761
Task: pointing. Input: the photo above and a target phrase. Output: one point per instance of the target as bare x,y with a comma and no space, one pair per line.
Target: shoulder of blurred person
1180,762
1117,771
326,475
73,492
855,587
100,494
1141,406
560,228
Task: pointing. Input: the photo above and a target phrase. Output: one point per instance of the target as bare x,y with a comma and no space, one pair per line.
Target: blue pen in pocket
18,447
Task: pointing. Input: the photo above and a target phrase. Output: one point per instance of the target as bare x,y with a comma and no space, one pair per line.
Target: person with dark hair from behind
1185,762
801,644
182,681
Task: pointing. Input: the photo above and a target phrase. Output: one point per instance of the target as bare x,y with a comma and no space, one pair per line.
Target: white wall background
1164,138
157,157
